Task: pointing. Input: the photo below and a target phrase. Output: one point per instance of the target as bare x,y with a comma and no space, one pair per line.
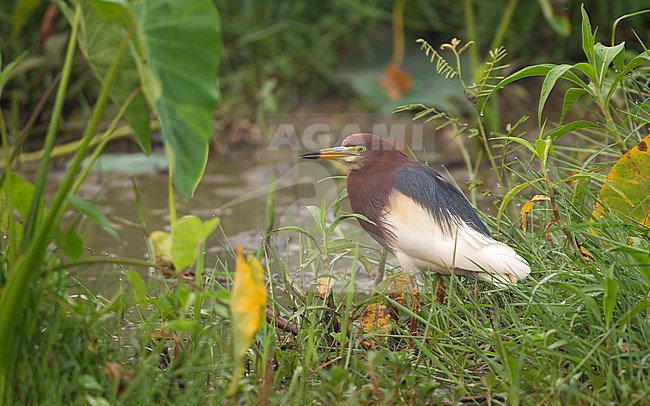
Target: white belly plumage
419,242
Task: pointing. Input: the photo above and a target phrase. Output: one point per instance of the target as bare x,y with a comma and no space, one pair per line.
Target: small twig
381,267
280,322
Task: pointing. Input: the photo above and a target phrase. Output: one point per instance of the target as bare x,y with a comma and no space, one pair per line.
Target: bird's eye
361,149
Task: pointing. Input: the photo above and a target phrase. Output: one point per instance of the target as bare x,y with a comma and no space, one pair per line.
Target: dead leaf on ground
376,320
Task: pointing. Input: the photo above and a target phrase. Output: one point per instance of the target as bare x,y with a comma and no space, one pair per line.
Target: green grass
557,338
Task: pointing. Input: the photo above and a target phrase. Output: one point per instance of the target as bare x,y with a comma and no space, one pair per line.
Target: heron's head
357,150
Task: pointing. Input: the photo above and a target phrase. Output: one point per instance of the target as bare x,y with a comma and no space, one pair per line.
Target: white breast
421,243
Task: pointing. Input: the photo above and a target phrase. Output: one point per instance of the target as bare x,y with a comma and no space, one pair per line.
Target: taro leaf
181,40
631,176
103,27
247,310
188,236
92,212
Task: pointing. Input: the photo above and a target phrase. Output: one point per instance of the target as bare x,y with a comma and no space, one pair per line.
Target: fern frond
442,67
491,72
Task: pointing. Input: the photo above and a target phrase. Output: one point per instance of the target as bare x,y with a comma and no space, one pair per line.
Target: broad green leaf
92,212
181,40
587,36
21,12
587,70
610,289
559,22
630,176
536,70
635,62
549,83
138,286
619,61
518,140
188,236
247,311
570,97
104,25
71,242
604,56
558,132
543,147
180,325
22,192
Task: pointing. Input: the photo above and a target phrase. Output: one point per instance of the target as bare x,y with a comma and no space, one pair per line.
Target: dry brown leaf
395,82
324,285
528,207
376,320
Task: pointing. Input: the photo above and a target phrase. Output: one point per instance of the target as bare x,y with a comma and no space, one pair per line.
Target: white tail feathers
502,265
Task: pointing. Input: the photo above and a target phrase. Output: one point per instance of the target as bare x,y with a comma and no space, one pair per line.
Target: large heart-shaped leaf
182,46
188,236
104,25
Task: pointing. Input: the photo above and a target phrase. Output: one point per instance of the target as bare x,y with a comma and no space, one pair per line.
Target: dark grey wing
443,200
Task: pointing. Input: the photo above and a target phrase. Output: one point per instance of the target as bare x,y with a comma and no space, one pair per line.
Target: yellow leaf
537,198
525,209
627,192
528,207
247,310
587,253
161,244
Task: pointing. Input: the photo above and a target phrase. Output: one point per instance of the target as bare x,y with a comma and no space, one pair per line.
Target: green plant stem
9,194
170,190
41,177
621,18
500,33
470,27
28,266
125,261
609,121
107,136
477,116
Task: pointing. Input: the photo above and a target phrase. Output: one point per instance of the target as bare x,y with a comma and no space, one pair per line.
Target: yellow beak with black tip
342,154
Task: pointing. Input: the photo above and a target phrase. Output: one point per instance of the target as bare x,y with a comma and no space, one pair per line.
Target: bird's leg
475,277
381,268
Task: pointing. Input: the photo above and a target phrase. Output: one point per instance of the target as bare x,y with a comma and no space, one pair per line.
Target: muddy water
236,186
